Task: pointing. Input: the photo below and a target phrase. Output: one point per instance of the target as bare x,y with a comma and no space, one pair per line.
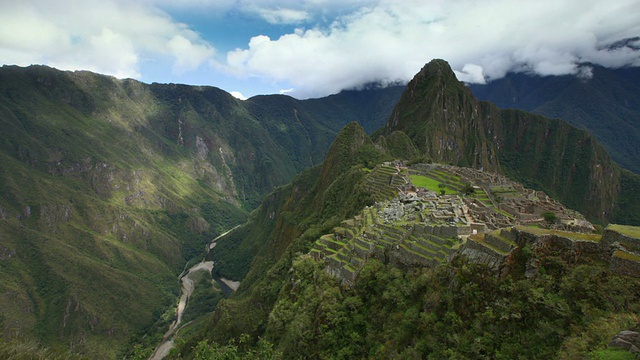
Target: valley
439,220
108,187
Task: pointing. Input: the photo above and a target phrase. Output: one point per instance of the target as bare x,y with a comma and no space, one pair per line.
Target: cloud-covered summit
482,40
318,47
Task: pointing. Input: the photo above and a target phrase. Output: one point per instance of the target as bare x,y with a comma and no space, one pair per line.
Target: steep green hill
449,125
336,277
370,258
108,187
606,104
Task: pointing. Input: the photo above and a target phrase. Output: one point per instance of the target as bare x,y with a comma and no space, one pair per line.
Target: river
187,280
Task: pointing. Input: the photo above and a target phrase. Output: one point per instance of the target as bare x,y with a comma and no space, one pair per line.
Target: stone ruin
414,226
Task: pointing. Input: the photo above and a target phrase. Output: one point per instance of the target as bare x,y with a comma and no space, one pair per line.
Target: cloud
188,55
109,36
471,73
391,40
319,47
283,16
238,95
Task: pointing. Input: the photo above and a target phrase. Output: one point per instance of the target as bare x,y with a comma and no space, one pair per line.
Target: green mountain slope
108,187
606,105
418,296
449,125
353,260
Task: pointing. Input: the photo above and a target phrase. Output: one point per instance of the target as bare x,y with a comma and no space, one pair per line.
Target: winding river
187,280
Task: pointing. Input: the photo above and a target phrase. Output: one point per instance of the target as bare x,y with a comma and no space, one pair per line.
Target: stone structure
413,226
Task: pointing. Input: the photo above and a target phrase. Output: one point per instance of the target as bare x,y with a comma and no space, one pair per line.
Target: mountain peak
342,153
449,125
436,68
437,72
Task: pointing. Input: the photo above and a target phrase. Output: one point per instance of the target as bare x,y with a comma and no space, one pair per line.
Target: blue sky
313,48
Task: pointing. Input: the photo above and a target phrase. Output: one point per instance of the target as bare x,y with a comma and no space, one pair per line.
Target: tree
550,217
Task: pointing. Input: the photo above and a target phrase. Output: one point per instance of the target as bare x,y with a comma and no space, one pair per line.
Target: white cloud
471,73
283,16
187,54
391,40
106,36
238,95
338,44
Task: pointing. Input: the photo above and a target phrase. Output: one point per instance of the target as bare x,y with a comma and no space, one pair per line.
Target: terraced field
383,182
350,245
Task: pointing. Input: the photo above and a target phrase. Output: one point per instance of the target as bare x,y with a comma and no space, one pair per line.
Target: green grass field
430,184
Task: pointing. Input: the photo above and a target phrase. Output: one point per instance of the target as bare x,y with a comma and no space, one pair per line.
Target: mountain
437,255
449,125
605,103
108,187
440,235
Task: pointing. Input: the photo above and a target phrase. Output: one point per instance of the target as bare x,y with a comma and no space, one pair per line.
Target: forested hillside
108,187
606,104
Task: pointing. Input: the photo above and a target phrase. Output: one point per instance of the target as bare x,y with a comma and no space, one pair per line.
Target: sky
314,48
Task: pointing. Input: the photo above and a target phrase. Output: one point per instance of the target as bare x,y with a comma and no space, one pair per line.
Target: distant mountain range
607,104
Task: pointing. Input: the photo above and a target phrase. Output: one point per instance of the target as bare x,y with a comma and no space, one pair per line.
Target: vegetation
603,105
468,189
108,187
550,217
431,184
21,350
455,311
236,350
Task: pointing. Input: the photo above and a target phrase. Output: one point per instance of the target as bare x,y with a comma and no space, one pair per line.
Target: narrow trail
187,279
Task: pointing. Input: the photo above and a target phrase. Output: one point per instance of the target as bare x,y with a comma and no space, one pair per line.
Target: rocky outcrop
627,340
477,250
623,244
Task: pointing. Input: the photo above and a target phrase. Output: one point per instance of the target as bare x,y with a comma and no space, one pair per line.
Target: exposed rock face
482,254
627,340
623,243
